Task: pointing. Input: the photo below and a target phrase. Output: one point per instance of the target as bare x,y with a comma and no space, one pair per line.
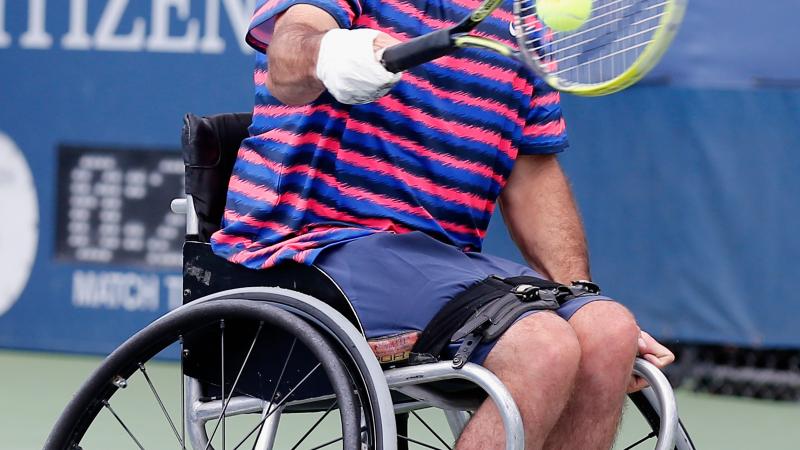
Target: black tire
97,392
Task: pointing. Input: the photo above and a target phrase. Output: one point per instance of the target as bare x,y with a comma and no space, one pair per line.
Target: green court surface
36,386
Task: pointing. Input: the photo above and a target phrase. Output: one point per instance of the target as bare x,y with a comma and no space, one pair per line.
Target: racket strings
635,35
594,16
604,47
532,28
604,57
529,6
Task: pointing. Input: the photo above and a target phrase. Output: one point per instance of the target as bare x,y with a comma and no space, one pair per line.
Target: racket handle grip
419,50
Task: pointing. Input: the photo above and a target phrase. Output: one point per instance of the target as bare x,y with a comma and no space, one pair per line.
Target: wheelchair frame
409,380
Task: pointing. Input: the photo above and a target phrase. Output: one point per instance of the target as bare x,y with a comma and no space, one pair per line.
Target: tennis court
35,386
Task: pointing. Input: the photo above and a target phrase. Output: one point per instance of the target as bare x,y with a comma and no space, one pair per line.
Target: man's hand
349,65
655,353
381,42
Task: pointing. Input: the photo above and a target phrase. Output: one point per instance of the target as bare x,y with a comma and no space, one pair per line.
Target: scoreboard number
113,206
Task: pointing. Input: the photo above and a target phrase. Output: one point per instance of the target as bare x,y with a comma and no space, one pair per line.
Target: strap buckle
587,286
526,292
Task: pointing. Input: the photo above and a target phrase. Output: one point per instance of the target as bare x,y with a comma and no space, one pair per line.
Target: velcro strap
487,309
495,317
510,312
455,312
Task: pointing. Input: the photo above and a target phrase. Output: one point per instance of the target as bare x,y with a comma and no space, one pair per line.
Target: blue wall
108,101
690,198
687,182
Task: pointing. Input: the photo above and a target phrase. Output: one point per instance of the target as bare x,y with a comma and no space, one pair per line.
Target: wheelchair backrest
210,145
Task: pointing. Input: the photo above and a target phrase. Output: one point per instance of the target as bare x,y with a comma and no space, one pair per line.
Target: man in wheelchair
353,203
386,183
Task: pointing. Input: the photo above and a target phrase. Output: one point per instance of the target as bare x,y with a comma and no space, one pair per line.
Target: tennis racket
614,48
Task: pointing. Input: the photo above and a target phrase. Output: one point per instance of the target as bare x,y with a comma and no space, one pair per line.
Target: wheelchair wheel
131,383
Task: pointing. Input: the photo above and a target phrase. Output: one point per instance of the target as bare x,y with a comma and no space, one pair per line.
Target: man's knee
538,344
608,333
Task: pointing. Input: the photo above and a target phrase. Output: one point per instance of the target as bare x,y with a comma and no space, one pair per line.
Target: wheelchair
260,352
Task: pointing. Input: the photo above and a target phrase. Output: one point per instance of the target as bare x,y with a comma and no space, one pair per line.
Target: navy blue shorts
398,282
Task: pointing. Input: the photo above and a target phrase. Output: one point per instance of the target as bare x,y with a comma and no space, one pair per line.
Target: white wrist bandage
348,68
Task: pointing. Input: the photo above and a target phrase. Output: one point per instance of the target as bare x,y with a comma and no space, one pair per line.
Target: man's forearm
543,220
293,58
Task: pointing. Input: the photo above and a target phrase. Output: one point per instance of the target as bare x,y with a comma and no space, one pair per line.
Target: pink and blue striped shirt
431,156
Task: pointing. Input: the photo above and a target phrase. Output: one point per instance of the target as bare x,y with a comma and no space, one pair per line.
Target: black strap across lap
486,310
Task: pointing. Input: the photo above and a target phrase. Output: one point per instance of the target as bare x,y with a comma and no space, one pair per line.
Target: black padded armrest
210,145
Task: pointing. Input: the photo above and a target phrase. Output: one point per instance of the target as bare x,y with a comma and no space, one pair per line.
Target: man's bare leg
537,360
608,336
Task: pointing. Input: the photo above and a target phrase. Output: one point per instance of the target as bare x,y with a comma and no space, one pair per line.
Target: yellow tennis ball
563,15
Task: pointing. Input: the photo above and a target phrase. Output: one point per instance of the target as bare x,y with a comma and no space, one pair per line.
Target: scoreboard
113,206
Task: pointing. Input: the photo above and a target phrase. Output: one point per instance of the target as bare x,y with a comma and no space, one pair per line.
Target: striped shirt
431,156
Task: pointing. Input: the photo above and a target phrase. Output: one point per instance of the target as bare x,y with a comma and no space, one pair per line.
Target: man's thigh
398,282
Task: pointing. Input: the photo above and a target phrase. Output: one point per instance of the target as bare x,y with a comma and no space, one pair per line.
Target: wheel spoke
221,417
313,427
288,395
327,444
280,377
649,436
252,430
431,430
161,404
274,391
125,427
233,388
414,441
